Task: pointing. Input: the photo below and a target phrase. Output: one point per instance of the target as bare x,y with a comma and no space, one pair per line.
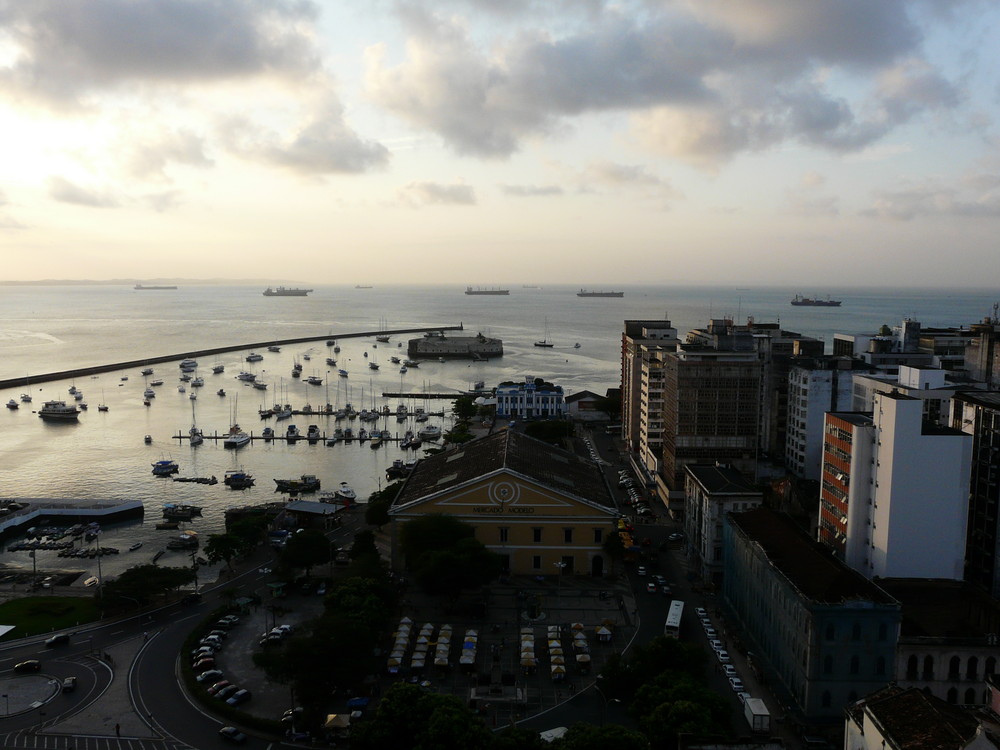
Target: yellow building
543,510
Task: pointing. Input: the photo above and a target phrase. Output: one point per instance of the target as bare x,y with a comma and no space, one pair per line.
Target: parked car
641,570
203,665
211,676
69,685
743,696
737,684
723,656
729,670
217,686
650,588
715,643
226,692
31,665
232,734
700,611
240,696
60,639
675,537
193,598
710,633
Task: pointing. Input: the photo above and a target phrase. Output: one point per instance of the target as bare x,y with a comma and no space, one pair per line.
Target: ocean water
104,456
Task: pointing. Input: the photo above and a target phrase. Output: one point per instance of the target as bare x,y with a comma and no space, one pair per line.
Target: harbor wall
80,372
454,347
65,511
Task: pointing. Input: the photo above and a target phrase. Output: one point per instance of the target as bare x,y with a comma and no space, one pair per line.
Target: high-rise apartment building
643,344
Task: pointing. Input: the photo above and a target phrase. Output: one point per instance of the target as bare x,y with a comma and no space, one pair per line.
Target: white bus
672,627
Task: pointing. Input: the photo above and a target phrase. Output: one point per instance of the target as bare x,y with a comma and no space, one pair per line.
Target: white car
737,684
716,644
700,611
710,633
730,670
743,696
641,570
723,656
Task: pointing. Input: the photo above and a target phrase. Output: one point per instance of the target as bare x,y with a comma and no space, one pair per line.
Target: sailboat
194,434
545,341
235,438
102,406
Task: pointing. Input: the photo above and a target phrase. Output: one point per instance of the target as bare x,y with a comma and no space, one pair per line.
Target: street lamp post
604,698
560,566
7,700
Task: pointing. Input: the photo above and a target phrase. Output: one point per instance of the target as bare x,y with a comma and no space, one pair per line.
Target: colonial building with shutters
544,510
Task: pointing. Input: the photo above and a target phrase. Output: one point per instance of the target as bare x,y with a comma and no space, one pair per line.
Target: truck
757,715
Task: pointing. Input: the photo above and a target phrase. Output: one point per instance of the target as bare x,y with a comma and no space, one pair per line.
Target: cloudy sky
575,141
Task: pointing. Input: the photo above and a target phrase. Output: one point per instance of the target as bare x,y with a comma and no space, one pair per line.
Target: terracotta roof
512,451
810,566
914,719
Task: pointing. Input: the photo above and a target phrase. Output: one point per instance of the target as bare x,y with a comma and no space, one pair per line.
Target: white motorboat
26,398
147,371
188,364
149,393
218,369
254,357
198,382
246,377
344,492
58,410
429,432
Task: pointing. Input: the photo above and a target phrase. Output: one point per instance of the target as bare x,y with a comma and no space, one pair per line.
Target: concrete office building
643,344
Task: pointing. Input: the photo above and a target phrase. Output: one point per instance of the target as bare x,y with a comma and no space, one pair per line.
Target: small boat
221,392
395,360
198,382
135,546
373,365
92,581
292,433
246,377
545,341
166,525
156,382
237,479
193,395
83,406
342,373
429,432
164,467
576,345
188,364
282,412
411,363
235,438
79,395
314,380
344,492
147,371
274,348
268,434
331,362
376,442
305,483
218,369
254,357
384,339
102,407
313,434
12,404
147,439
181,388
331,342
26,398
402,370
195,436
186,377
259,385
123,378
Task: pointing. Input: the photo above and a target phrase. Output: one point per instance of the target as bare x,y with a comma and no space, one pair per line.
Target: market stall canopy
337,721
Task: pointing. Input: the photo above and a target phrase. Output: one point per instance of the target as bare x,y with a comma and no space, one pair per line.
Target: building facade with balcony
532,399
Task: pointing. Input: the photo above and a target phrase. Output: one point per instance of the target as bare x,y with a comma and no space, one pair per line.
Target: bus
672,627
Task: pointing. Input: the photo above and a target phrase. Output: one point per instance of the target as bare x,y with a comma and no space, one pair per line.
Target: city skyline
747,142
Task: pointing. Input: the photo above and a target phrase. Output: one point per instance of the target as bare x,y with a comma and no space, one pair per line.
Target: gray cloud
67,48
150,157
928,200
530,191
417,194
64,191
325,145
703,80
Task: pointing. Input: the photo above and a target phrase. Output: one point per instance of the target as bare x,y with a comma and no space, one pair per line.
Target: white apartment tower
907,490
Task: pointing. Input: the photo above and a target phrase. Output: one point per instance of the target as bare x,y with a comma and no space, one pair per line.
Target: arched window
882,631
952,695
972,668
826,700
928,667
829,632
880,665
970,696
954,667
827,664
856,632
855,664
912,665
991,665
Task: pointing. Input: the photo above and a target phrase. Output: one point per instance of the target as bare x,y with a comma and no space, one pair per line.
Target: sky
820,142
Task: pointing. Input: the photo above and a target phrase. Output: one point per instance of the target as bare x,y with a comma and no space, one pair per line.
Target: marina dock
65,510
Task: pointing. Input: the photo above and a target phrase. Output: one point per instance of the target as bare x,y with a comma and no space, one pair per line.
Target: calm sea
48,329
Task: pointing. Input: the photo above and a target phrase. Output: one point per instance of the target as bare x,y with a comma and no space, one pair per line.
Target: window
928,667
882,631
567,536
536,562
829,632
856,632
536,535
970,697
827,664
954,666
880,665
953,695
855,664
827,699
504,531
911,667
991,665
972,670
598,536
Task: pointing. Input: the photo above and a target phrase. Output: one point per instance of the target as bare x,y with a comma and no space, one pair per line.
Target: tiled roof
514,451
807,564
911,719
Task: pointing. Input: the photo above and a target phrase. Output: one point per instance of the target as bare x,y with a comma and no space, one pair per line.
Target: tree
610,405
144,583
608,737
223,547
444,555
464,408
306,549
377,509
433,531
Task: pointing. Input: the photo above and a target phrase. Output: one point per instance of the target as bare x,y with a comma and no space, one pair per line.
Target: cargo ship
585,293
481,290
144,287
799,301
282,291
